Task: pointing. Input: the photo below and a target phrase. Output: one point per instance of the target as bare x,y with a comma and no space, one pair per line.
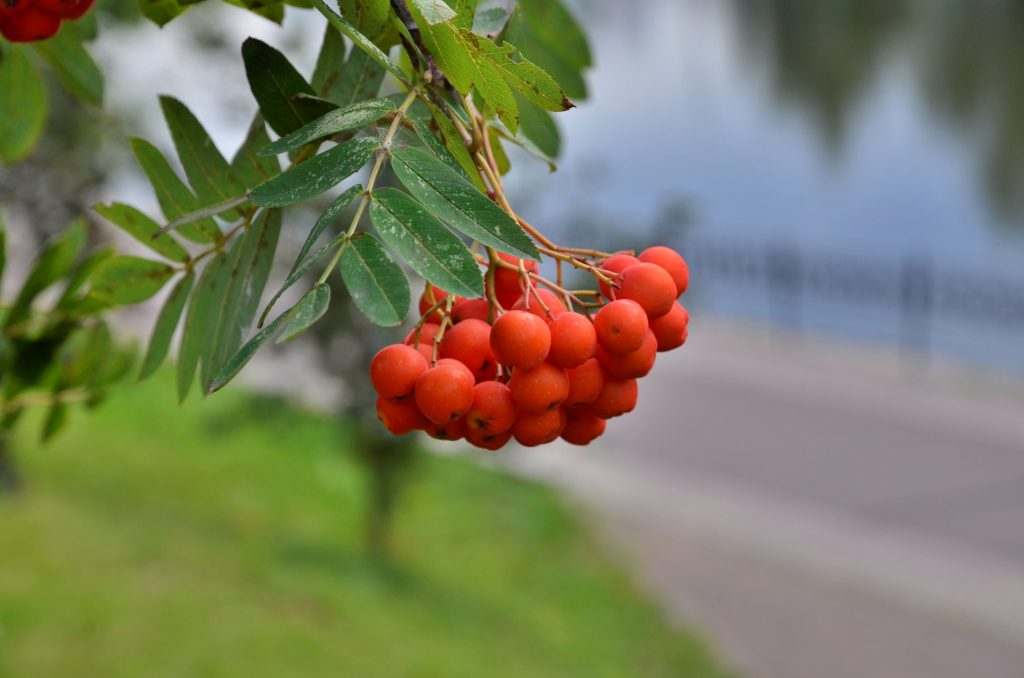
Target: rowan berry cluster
540,369
33,20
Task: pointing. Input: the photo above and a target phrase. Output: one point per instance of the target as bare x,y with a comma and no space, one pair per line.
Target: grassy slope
157,541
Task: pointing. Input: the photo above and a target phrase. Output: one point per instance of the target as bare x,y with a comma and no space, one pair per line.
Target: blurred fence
915,294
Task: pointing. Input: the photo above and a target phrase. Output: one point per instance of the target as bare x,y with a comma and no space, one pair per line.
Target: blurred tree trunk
10,479
386,461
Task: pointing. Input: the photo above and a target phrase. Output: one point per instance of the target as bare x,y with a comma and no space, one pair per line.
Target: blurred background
827,481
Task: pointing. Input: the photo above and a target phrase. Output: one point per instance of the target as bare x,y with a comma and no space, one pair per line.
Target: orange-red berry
585,383
395,370
617,397
540,389
536,302
621,326
431,296
616,264
469,342
507,282
444,392
452,430
672,262
650,286
670,329
488,441
520,339
470,309
632,365
427,332
493,410
531,430
9,7
573,340
582,428
400,418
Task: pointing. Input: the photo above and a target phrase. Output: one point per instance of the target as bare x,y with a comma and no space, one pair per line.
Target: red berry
493,410
621,326
400,418
9,7
616,398
29,25
452,430
531,430
538,299
520,339
573,340
470,309
488,441
582,428
585,383
616,264
427,333
632,365
469,342
431,296
507,282
62,8
540,389
427,351
670,329
444,392
650,286
672,262
394,371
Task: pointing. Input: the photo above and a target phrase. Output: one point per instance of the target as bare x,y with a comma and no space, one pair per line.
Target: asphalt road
817,511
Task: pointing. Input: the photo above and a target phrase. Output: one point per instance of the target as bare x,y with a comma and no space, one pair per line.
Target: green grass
224,539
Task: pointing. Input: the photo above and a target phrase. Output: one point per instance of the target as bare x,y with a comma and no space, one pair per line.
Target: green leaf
465,11
330,63
490,22
139,226
162,12
456,147
309,309
361,41
539,127
360,79
457,202
251,259
316,175
528,78
433,11
501,160
165,325
23,104
243,355
346,119
249,165
72,64
547,34
129,280
53,263
469,61
206,169
275,84
175,198
421,240
300,269
69,302
201,320
326,219
377,284
56,419
273,10
370,17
